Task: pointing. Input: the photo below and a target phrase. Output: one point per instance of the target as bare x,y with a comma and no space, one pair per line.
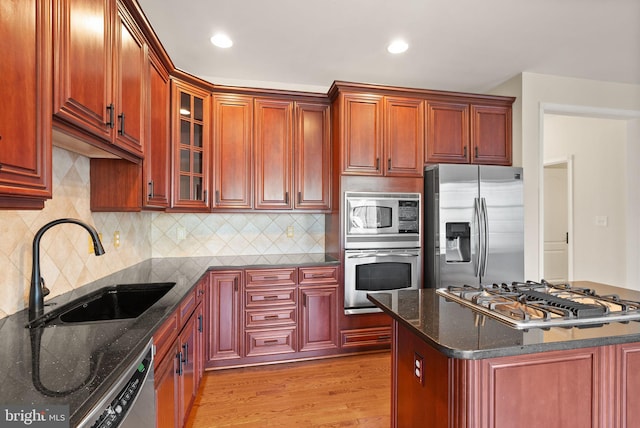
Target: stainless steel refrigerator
474,225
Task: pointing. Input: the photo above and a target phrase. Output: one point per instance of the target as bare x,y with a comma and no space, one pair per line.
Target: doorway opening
558,233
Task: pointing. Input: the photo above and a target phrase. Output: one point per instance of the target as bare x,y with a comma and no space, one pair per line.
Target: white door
556,225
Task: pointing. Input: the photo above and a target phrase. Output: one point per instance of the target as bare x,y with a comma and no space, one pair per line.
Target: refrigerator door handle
485,236
477,242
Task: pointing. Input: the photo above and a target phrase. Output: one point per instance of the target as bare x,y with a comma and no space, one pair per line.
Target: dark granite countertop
76,364
455,331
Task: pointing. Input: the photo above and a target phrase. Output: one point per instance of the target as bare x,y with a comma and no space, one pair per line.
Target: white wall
633,204
599,150
539,93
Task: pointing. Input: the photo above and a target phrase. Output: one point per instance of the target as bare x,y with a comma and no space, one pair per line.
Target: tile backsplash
66,262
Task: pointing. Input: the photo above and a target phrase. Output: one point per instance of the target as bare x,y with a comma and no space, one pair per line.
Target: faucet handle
45,290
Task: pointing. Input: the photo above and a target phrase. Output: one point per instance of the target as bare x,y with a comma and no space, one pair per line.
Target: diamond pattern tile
66,263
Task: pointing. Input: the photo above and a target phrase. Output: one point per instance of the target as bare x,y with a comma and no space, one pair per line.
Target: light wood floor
336,392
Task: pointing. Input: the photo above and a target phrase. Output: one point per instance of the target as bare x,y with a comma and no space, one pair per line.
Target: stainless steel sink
124,301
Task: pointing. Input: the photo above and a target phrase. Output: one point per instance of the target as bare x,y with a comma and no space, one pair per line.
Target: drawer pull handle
271,342
270,297
179,369
271,278
320,275
185,348
271,317
385,337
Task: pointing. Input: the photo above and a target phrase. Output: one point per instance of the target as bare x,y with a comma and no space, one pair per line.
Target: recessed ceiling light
397,46
222,41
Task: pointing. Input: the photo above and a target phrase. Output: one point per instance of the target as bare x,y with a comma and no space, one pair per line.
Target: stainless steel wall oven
382,246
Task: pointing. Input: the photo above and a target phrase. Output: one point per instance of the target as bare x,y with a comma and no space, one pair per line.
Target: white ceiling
459,45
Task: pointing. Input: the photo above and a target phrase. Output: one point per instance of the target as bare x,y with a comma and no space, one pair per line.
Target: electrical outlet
602,220
290,232
181,233
418,368
116,239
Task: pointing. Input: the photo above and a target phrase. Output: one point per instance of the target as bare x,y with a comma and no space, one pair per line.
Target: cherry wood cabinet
191,147
361,134
273,154
284,314
381,135
121,185
404,136
593,386
312,156
223,316
156,167
463,132
232,170
25,122
179,360
99,75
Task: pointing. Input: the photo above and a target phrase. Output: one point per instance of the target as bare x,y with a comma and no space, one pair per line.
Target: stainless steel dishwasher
131,400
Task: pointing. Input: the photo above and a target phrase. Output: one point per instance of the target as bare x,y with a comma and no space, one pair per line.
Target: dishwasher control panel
122,399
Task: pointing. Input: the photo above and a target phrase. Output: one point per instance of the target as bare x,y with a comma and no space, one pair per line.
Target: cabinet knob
377,164
465,152
151,189
476,149
389,164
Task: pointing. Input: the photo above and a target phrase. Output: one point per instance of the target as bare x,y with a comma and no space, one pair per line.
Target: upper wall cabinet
99,75
463,132
271,153
25,121
191,147
233,177
381,135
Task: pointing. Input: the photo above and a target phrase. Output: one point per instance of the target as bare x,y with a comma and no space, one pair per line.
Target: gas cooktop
524,305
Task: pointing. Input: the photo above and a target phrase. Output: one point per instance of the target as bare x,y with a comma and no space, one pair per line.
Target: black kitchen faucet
36,293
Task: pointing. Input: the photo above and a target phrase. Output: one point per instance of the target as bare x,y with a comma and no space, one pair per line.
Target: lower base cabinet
586,387
268,315
179,362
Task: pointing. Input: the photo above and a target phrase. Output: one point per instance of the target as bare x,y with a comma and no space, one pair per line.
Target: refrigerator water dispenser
458,242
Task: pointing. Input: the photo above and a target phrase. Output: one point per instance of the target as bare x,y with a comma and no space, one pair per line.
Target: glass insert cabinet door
191,146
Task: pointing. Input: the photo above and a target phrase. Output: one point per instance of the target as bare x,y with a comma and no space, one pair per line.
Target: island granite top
75,364
458,332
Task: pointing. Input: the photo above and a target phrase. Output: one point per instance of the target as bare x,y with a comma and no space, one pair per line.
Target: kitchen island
453,367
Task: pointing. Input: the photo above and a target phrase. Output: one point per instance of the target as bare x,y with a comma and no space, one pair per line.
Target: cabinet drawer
366,337
318,275
269,318
188,305
270,277
285,296
165,336
269,342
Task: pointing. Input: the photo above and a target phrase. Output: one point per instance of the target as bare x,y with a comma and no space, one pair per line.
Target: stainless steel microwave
382,220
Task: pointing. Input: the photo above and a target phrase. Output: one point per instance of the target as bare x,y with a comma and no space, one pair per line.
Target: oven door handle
362,256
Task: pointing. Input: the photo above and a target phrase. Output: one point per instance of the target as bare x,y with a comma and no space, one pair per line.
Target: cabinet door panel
273,154
157,156
166,386
232,157
191,147
25,121
491,135
404,142
447,133
319,320
82,63
312,157
362,139
130,71
224,316
187,341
